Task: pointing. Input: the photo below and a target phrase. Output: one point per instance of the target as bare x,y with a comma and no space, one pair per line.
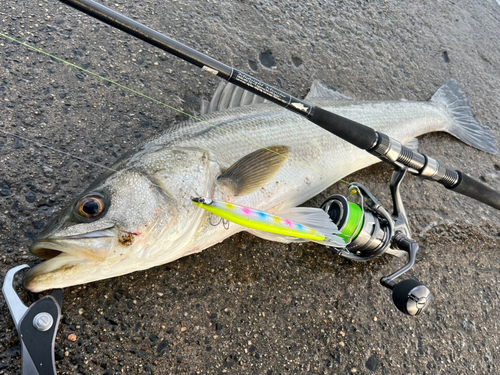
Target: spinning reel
371,231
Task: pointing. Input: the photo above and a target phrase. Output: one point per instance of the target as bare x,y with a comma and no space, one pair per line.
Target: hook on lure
306,223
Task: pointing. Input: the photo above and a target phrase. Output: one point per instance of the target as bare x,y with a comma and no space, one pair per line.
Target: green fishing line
164,104
354,222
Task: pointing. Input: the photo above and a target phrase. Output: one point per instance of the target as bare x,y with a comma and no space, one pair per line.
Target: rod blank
353,132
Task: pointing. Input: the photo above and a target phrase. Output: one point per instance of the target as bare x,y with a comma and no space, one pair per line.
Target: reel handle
411,297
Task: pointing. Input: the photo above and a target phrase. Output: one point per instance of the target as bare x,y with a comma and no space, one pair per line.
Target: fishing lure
303,223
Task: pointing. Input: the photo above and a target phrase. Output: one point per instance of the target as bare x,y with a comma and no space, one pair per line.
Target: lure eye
90,207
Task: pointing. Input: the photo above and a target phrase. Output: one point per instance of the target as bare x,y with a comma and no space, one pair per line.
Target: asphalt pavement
248,305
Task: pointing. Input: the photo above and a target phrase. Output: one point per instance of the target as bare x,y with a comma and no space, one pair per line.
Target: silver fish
140,215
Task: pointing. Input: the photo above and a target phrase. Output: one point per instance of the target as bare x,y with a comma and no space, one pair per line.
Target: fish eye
90,207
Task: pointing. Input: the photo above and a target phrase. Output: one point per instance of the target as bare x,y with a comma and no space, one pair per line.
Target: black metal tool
364,137
36,325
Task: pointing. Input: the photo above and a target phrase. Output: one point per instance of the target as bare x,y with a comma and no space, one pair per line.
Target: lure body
260,220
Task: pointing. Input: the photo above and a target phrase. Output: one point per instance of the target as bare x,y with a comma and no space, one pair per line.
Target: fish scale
319,158
149,218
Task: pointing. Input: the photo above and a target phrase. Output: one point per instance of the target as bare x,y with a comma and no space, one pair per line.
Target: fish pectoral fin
254,170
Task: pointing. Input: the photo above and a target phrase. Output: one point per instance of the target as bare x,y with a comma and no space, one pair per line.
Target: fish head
104,232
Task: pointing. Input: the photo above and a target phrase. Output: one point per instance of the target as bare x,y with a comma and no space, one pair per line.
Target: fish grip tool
36,326
362,136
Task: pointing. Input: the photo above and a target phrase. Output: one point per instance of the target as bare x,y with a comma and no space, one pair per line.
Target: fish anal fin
254,170
311,217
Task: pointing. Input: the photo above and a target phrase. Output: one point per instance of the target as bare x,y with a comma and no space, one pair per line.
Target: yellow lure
264,221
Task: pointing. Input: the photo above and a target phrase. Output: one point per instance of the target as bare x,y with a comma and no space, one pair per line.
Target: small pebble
72,337
136,340
372,363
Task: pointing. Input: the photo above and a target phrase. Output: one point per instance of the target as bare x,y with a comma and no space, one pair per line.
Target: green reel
366,232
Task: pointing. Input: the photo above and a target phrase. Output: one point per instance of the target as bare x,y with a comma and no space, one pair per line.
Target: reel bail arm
376,232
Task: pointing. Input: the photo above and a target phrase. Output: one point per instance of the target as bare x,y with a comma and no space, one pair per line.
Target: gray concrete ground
247,305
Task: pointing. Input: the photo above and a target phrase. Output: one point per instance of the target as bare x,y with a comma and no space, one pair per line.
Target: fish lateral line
260,220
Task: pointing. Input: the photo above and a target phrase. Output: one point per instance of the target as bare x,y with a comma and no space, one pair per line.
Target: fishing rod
369,229
361,136
365,230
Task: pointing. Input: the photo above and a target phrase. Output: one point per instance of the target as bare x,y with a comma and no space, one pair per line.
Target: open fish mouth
50,248
63,255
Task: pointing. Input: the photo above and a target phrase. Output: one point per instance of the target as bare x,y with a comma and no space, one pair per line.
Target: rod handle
476,190
351,131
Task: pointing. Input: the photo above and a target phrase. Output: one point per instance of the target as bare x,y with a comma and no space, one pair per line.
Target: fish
244,151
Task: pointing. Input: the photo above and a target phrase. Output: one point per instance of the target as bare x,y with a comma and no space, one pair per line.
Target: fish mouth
62,255
49,248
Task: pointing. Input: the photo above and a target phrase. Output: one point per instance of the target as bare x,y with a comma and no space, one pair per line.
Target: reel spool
367,233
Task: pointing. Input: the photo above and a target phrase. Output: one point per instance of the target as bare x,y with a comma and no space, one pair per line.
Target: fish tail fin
463,125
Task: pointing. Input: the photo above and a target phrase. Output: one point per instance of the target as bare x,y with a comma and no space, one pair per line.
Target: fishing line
15,135
161,103
39,144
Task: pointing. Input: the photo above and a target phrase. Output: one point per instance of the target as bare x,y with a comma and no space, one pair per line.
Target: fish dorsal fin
320,91
228,95
254,170
205,104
